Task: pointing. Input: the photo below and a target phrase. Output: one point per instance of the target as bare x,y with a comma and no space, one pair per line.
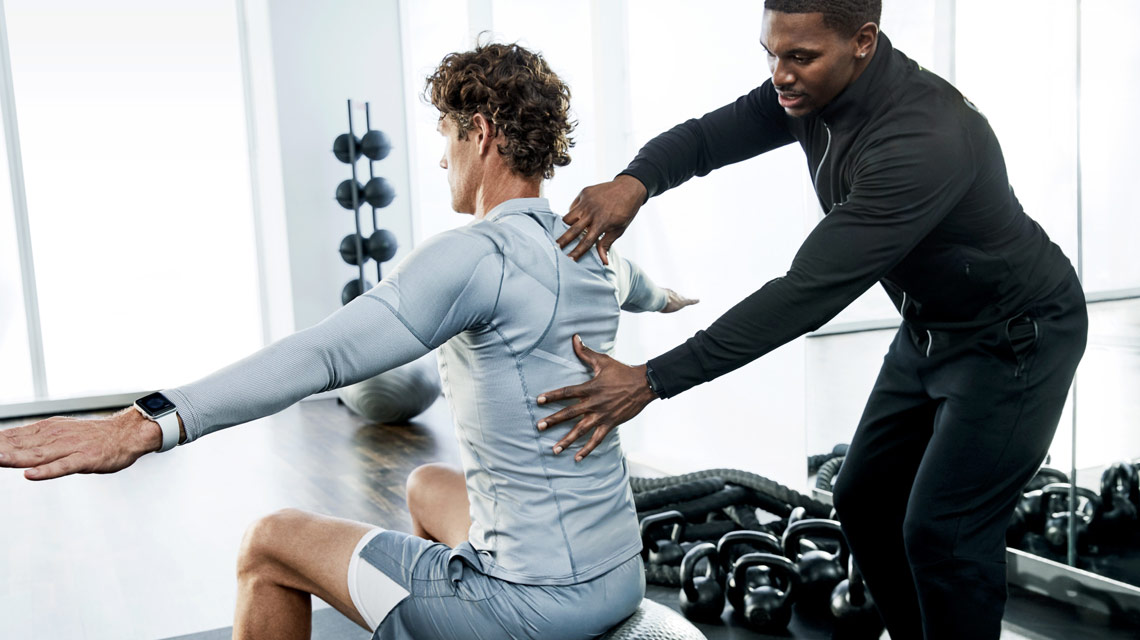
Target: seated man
549,546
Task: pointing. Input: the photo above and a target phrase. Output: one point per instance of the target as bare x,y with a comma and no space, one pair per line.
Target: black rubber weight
677,493
753,481
825,479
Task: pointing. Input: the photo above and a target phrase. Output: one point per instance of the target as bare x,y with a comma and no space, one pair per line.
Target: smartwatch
654,383
158,408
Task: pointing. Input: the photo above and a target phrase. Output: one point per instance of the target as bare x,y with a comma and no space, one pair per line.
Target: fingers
576,391
577,431
569,413
595,440
586,243
589,357
55,469
575,231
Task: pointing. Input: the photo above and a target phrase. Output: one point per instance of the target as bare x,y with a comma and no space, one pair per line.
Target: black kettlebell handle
651,524
759,540
1062,489
689,568
780,568
818,528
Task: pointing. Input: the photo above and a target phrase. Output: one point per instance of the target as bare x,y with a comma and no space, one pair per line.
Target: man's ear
865,39
484,131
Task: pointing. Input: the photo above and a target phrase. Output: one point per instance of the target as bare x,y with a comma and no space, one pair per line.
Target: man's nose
782,75
443,162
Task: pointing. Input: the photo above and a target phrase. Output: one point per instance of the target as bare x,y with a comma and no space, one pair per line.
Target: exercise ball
397,395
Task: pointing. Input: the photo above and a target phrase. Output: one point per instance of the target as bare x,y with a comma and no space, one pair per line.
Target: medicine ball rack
380,245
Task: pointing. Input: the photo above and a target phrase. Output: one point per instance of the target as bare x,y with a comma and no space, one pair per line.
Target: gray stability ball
397,395
654,621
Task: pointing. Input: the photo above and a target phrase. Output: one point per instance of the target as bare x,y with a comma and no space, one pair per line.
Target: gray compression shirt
501,302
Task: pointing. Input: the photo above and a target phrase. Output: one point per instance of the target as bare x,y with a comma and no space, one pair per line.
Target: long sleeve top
914,187
501,302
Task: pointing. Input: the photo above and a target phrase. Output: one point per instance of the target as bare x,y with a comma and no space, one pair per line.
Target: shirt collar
517,205
865,94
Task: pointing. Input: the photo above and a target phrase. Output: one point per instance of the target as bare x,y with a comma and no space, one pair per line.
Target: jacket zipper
825,152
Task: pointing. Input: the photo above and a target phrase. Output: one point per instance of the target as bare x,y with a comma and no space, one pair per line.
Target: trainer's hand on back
676,302
616,393
62,446
600,214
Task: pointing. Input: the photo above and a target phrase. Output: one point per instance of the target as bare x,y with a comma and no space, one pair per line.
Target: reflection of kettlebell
661,538
853,609
1058,512
1044,476
702,596
767,607
1120,496
1028,517
735,544
820,571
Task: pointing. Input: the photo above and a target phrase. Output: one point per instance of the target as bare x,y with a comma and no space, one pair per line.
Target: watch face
155,404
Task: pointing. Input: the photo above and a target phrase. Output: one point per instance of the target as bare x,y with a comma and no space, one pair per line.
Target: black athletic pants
956,425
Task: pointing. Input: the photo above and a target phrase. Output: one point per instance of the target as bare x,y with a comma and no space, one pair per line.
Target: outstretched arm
447,285
637,292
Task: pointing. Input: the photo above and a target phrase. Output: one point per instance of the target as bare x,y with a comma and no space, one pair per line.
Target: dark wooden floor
149,552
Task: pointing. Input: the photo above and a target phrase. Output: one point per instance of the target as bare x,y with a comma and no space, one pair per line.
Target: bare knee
424,481
258,553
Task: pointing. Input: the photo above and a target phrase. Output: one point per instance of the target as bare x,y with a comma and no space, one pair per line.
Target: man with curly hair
916,195
496,552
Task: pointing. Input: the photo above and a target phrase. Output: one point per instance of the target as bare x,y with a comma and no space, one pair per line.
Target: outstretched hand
616,393
600,214
62,446
676,302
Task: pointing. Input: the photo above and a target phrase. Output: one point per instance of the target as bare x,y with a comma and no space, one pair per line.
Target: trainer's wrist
633,189
652,389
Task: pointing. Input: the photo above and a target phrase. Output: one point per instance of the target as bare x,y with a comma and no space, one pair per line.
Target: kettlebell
661,538
1058,512
766,607
701,596
735,544
1120,496
820,571
853,608
1028,517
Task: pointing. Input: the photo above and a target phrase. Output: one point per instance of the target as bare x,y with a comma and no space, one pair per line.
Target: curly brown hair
515,90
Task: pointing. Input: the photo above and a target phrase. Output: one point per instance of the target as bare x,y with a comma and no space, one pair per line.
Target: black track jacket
917,198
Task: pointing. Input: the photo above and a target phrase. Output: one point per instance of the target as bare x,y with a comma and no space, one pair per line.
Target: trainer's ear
484,131
865,39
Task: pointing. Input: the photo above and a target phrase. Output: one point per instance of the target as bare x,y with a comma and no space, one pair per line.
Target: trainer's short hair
844,16
518,94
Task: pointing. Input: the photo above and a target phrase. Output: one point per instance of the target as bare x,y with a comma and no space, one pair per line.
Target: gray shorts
408,587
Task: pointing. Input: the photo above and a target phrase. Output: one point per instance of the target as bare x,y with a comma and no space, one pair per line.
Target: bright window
135,159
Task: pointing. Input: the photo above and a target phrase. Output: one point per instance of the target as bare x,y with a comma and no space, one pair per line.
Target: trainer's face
811,63
458,160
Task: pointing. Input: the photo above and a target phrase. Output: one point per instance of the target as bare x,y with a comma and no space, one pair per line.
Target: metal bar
20,211
375,224
1072,555
355,198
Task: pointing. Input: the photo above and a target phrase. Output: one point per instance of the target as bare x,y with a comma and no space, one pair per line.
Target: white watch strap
168,424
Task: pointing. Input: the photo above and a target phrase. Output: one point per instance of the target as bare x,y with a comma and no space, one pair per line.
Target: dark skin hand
600,215
616,393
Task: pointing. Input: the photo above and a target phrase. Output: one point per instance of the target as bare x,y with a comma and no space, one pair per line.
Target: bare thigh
308,552
437,502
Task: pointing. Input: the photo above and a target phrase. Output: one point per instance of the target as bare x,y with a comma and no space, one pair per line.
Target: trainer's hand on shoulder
600,214
676,302
62,446
616,393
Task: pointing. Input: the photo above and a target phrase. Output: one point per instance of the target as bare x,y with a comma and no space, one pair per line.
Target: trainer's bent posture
917,199
522,543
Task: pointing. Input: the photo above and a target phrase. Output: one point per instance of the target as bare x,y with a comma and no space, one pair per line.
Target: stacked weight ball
400,394
701,532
